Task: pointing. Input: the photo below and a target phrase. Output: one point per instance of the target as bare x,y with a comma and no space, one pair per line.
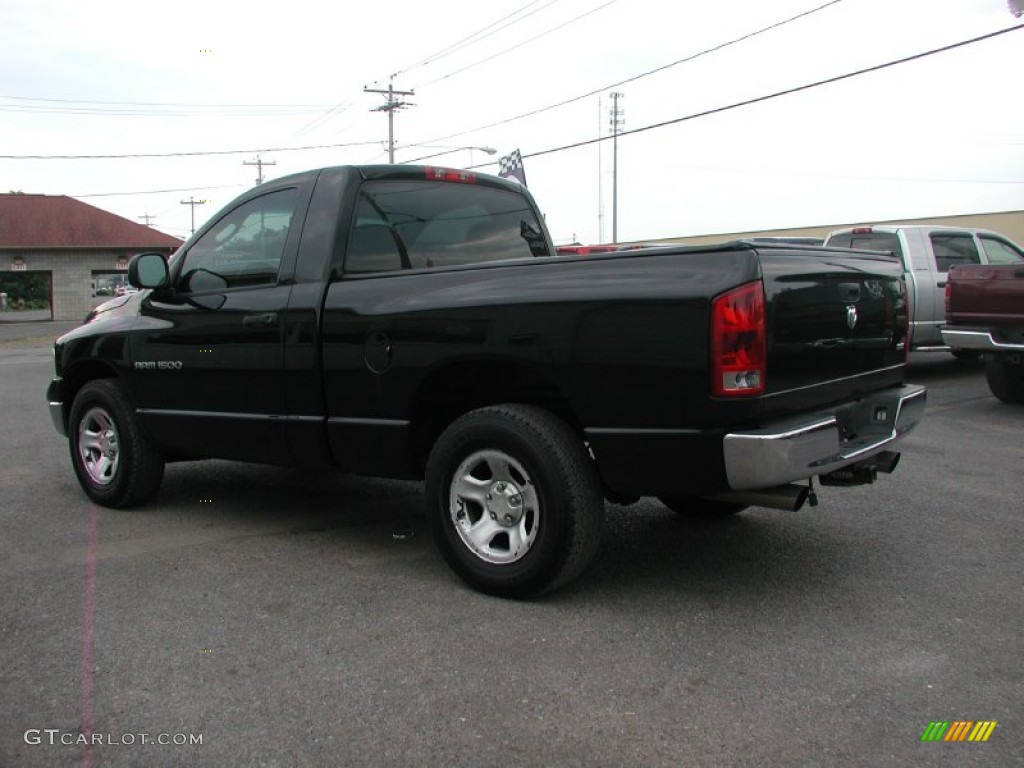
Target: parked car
927,253
985,314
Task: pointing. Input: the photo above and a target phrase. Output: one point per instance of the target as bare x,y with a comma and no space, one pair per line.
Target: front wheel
113,461
513,501
1005,378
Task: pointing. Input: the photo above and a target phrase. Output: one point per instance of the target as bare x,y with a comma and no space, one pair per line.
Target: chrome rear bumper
820,443
978,339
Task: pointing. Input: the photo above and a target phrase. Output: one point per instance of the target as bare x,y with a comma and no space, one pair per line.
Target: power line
337,109
157,191
456,46
160,103
35,109
187,154
520,45
477,36
776,94
454,135
620,83
811,174
447,151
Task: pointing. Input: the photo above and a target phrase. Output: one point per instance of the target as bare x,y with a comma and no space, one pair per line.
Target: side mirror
148,270
202,283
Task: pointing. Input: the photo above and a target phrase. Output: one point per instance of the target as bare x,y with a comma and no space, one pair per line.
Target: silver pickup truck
927,253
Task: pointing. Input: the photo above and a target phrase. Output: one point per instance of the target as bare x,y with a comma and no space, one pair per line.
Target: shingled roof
59,221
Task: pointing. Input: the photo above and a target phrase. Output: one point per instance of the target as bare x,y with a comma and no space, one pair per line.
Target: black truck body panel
362,371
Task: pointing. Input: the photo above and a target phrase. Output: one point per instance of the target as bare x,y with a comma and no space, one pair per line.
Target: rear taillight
949,299
738,342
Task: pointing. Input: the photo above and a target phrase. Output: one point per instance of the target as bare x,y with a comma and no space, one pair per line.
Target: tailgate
837,323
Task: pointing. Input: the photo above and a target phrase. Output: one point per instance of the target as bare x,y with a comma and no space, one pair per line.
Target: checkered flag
511,167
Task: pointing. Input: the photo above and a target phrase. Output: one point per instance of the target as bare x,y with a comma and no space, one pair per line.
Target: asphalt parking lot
289,618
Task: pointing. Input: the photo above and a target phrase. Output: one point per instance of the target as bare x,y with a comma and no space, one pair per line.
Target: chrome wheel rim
99,446
494,507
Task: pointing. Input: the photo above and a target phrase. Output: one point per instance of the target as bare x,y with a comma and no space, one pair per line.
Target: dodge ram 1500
415,322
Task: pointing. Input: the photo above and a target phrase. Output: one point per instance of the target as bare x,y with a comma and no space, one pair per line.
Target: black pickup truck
414,322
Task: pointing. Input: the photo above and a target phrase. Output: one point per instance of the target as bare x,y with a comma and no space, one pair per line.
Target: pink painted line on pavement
88,623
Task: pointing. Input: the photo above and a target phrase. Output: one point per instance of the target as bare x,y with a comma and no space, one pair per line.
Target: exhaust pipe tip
788,497
800,498
886,461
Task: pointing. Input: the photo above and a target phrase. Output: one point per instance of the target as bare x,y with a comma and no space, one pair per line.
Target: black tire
114,463
1005,379
967,355
701,509
513,501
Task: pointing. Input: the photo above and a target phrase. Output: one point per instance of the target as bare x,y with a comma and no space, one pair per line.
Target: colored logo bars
958,730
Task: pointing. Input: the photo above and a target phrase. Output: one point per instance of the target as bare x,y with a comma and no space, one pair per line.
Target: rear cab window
401,225
868,240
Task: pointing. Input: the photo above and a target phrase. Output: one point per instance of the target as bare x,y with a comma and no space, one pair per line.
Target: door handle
260,321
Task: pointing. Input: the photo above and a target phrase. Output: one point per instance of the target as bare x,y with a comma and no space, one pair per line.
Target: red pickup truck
985,312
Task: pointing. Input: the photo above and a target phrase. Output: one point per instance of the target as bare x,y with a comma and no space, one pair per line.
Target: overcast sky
940,135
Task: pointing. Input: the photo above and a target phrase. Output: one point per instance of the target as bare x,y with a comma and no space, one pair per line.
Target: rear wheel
698,508
1005,378
113,461
967,355
513,501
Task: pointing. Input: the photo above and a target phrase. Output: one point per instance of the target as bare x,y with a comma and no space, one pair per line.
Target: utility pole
259,163
390,106
192,202
600,172
147,217
617,121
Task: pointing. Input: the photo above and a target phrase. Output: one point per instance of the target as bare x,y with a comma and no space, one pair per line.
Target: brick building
83,251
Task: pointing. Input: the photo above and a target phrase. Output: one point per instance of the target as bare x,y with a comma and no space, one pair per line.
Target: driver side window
244,248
